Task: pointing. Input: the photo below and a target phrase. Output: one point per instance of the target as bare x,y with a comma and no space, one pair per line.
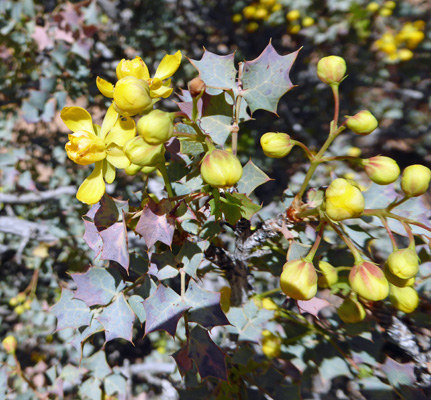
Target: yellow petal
105,87
168,66
108,172
161,92
116,157
155,84
77,119
109,121
136,68
123,130
93,188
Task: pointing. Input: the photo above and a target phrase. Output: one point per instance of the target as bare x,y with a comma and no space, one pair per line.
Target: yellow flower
89,143
158,85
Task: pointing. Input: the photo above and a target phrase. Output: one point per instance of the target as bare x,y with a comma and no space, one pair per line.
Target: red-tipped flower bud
369,281
156,127
221,169
404,263
9,344
343,200
405,299
276,144
196,85
329,275
381,170
362,123
331,70
299,280
415,180
351,311
397,281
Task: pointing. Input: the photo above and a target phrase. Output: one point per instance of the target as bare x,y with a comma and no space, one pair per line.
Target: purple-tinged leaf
252,177
266,79
117,320
163,309
184,362
93,210
312,306
217,71
208,357
107,214
163,265
204,306
155,224
191,255
70,312
399,374
80,337
97,286
115,244
92,238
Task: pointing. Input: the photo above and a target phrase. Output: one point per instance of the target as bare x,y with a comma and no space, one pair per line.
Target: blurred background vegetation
51,53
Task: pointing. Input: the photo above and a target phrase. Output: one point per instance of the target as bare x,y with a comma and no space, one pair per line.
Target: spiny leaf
252,177
115,244
92,238
70,312
208,357
97,365
184,362
217,71
156,224
205,306
97,286
191,255
80,337
117,319
399,374
266,79
136,304
163,265
246,206
163,309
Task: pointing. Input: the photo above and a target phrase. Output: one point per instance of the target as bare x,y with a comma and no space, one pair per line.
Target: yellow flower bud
225,293
271,344
132,169
415,180
252,26
221,169
414,38
343,200
362,123
390,4
9,344
156,127
331,70
373,6
19,310
249,12
354,151
385,12
148,170
397,281
404,263
139,152
294,29
131,96
299,280
276,144
369,281
329,275
307,21
405,54
351,311
381,170
268,304
261,13
405,299
85,148
293,15
236,18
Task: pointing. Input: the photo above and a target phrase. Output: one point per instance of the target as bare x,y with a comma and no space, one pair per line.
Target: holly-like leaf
80,337
312,306
109,211
248,321
97,365
204,306
246,206
399,374
92,238
115,244
70,312
216,118
136,304
163,309
184,362
191,255
97,286
163,265
217,71
117,320
155,223
266,79
252,177
115,383
90,389
208,357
